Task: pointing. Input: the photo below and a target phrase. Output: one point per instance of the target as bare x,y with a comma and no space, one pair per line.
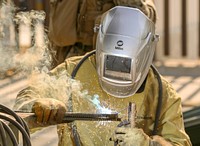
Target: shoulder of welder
66,67
167,88
70,63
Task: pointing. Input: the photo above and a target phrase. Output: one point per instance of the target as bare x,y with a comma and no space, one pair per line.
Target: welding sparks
100,109
97,104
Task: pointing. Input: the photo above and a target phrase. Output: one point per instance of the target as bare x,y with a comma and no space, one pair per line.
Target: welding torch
21,121
30,118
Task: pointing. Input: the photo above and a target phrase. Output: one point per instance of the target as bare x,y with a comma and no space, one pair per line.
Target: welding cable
3,133
73,74
19,127
159,104
10,133
76,138
8,111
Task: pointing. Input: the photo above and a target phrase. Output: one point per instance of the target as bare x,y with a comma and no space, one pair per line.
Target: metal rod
132,114
30,118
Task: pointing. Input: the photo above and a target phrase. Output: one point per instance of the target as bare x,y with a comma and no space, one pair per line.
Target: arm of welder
46,106
47,111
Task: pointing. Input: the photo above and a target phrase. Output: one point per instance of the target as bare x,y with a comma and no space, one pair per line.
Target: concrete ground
183,75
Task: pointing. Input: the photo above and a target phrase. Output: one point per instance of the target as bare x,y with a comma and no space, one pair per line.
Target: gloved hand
49,111
126,136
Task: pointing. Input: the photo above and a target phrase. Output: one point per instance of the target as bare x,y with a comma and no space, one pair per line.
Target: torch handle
30,118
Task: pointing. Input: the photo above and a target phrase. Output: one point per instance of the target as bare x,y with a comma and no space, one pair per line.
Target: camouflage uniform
72,22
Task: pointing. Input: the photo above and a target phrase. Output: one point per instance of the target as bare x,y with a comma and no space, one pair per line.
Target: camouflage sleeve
147,6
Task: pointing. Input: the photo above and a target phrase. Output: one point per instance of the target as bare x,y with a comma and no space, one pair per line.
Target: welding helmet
125,48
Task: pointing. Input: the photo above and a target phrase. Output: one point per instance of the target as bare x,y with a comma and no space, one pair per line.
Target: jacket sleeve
26,97
171,126
147,6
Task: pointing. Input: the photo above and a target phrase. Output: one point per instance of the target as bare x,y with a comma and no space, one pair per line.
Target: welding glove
49,111
125,136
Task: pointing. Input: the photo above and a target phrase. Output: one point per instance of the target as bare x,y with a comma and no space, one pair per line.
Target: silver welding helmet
125,48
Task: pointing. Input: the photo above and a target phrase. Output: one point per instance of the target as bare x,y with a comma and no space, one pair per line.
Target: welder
119,72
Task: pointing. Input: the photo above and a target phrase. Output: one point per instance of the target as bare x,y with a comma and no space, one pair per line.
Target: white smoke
24,44
7,37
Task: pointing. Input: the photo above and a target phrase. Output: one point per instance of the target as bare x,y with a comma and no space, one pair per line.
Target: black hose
11,134
19,127
73,74
159,104
3,133
76,138
10,116
8,111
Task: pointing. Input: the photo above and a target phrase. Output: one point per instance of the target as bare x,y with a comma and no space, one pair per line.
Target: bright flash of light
99,107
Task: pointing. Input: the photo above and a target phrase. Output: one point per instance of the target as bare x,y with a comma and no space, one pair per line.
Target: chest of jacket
96,100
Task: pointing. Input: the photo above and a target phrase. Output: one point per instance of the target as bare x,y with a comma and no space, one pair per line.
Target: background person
71,23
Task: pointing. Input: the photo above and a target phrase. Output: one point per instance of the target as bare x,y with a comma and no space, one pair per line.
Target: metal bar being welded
30,118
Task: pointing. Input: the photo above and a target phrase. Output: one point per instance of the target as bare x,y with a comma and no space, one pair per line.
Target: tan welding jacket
95,133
